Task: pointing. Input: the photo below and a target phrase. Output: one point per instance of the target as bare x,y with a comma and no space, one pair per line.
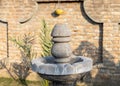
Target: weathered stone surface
66,39
61,30
43,66
61,49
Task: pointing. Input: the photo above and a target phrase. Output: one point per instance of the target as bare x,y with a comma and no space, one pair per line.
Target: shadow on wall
88,49
102,74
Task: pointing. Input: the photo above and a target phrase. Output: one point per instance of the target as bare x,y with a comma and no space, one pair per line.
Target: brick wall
106,12
94,26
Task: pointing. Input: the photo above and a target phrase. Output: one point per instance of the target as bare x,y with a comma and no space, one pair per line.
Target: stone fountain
62,68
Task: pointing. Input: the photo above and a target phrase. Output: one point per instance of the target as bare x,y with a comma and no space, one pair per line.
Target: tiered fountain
62,68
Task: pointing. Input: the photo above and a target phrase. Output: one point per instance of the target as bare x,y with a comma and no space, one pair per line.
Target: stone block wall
94,25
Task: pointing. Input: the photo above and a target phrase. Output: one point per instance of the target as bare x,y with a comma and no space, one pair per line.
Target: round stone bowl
48,69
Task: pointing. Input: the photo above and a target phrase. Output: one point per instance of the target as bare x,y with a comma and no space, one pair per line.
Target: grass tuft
11,82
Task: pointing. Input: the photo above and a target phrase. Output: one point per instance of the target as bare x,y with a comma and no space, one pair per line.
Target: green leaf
45,39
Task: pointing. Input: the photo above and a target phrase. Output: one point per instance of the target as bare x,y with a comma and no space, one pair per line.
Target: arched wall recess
13,12
108,13
99,58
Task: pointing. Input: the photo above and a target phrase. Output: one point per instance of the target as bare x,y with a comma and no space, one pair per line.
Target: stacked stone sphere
61,49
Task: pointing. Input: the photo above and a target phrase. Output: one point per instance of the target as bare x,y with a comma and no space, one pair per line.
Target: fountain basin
47,66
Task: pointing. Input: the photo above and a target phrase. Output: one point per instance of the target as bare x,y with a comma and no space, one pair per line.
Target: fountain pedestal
64,80
63,83
62,68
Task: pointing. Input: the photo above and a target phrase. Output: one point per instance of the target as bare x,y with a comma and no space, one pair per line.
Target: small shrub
24,44
3,63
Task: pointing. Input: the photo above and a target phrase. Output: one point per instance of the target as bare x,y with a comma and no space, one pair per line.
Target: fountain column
61,49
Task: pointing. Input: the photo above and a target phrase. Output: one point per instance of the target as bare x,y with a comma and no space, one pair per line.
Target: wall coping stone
58,0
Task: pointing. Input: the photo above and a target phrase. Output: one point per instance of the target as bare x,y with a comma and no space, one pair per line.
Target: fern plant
46,44
45,39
